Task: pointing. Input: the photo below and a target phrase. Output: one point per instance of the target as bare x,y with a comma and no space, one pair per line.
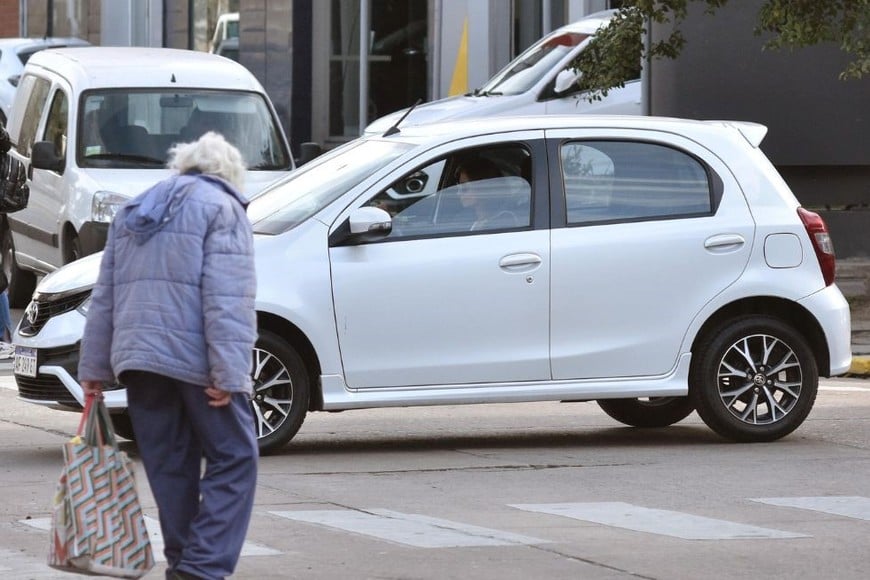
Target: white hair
211,154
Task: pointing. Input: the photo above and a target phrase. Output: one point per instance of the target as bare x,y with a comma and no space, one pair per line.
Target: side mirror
370,220
44,156
565,81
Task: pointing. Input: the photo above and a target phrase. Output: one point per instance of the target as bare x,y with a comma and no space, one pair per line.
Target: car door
651,230
26,129
48,188
438,303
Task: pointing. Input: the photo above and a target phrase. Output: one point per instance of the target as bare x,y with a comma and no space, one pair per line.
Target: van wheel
22,283
754,379
649,412
73,249
281,392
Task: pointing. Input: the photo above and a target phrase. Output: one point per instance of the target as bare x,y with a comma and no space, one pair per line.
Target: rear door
650,230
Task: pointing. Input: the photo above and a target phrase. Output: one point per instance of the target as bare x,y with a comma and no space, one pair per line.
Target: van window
37,88
56,124
136,128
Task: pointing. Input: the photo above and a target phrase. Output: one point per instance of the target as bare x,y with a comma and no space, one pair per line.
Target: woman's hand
93,388
219,398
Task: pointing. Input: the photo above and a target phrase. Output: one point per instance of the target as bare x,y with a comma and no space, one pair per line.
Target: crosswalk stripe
410,529
248,548
656,521
849,506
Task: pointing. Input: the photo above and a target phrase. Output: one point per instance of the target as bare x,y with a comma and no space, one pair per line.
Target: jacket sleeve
96,349
228,294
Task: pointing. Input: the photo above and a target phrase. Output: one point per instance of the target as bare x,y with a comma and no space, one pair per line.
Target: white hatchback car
658,266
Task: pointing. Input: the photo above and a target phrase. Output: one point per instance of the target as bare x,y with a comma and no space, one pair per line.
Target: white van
540,81
94,125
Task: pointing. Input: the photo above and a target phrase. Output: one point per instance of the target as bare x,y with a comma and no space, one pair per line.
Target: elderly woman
172,317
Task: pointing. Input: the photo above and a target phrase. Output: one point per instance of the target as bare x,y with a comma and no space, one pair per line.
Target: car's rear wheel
21,282
649,412
281,391
755,379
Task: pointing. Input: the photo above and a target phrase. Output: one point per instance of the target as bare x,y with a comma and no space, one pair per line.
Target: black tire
281,392
754,380
122,425
652,412
73,250
22,283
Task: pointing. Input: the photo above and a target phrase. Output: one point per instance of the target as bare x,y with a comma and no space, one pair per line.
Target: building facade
327,84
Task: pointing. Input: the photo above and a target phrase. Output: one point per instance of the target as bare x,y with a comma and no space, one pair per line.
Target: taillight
822,243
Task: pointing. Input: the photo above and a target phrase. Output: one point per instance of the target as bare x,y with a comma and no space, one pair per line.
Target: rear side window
37,88
628,181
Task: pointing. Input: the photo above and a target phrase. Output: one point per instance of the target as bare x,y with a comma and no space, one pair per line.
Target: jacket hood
147,213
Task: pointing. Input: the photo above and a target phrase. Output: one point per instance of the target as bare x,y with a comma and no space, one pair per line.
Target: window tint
623,180
471,191
32,112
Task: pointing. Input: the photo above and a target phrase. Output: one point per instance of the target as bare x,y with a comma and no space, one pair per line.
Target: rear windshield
136,128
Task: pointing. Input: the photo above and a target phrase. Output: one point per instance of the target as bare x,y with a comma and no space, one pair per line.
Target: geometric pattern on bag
97,521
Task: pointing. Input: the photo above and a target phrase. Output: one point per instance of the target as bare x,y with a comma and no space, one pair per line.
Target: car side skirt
337,397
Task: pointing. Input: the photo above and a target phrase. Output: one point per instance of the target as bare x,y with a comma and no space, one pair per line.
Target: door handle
724,242
520,262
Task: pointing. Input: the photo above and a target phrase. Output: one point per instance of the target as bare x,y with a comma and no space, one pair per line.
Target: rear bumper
832,311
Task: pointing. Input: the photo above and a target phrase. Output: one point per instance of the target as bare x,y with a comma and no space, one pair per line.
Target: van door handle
523,262
724,242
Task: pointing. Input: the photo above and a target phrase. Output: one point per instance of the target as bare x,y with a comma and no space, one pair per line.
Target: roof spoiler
753,132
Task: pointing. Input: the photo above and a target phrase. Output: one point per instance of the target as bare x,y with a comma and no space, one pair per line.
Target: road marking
153,526
846,389
849,506
655,521
409,529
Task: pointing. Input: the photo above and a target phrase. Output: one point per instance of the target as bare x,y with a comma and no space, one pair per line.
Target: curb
860,366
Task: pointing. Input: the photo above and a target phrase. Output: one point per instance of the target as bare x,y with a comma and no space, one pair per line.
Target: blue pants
204,516
5,317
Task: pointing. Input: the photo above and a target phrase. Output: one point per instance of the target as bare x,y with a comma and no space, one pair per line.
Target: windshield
136,128
318,183
535,63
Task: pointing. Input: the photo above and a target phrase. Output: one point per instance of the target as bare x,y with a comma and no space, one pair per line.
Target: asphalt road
541,490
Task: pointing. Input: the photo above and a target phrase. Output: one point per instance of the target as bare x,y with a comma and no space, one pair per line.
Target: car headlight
105,204
84,306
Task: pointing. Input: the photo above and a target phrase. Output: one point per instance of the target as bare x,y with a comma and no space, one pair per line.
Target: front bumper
55,385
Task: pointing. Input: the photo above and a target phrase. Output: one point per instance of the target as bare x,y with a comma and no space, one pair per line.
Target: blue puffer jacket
175,295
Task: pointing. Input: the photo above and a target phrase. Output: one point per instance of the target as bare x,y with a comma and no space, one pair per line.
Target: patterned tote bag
97,525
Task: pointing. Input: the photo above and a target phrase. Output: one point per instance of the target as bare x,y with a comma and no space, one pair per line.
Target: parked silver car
14,54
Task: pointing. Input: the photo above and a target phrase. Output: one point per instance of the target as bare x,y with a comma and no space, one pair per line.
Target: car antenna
395,128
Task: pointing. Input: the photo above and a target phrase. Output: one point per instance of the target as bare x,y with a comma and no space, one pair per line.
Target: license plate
24,362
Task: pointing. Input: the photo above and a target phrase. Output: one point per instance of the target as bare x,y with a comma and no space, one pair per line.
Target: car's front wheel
755,379
281,391
649,412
